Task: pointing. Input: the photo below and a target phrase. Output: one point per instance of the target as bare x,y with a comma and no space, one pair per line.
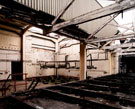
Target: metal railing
4,88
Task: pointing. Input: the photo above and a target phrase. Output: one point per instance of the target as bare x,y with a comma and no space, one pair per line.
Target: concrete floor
39,103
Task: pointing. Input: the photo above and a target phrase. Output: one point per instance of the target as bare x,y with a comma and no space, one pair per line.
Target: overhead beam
62,12
118,1
10,29
126,45
131,27
134,22
7,23
131,53
120,26
26,29
102,26
62,32
116,37
99,13
42,20
128,50
105,45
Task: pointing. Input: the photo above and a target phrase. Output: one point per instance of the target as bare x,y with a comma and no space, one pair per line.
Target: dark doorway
17,68
127,64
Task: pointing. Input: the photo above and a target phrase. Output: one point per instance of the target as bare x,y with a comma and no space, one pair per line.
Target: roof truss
99,13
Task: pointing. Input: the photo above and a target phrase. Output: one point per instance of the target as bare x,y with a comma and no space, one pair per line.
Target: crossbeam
99,13
120,26
102,26
126,45
105,44
116,37
134,22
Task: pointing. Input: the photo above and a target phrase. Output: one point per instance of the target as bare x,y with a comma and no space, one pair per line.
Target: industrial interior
67,54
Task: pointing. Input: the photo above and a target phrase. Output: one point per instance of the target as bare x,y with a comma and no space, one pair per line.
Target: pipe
90,61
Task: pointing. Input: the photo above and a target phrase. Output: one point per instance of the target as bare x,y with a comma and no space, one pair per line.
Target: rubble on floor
109,92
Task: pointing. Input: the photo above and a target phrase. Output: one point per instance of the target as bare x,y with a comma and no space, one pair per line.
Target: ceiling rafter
115,37
99,13
102,26
41,19
62,12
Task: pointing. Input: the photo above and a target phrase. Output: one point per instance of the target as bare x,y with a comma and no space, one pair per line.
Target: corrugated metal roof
79,7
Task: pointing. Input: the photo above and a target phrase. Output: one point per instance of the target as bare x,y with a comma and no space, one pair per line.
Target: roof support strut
102,26
62,12
102,12
116,37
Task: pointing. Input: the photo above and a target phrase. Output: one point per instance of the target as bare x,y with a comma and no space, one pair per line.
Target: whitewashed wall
73,54
9,51
39,49
102,61
35,51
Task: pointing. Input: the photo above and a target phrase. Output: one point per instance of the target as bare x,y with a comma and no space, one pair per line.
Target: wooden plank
99,13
